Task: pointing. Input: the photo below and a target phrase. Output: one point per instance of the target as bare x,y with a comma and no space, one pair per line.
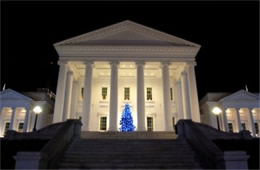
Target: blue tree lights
126,121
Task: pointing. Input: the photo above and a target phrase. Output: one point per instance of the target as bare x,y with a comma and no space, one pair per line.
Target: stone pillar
179,100
60,93
193,92
87,96
67,102
11,127
238,120
251,120
185,95
26,119
166,96
140,97
113,97
225,119
74,99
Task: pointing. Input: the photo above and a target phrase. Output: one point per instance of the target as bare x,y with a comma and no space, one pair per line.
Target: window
149,93
150,124
243,126
20,127
256,128
127,93
103,123
82,92
171,94
104,93
173,123
7,125
230,127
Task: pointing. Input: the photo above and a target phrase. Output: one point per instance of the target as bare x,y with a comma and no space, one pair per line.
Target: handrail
56,146
211,156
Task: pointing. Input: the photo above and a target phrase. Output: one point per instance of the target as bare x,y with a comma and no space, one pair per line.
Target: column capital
114,63
88,62
62,62
193,63
165,63
140,63
251,108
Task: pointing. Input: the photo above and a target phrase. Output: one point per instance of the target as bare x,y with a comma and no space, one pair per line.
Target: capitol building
128,63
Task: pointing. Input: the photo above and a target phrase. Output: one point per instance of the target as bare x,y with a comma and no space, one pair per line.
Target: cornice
126,48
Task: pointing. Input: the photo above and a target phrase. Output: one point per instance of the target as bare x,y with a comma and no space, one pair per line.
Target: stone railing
50,154
215,134
45,133
200,138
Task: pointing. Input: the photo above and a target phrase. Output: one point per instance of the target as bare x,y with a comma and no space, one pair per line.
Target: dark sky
227,31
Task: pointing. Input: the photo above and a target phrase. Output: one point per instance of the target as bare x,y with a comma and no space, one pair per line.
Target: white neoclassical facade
239,111
102,70
17,110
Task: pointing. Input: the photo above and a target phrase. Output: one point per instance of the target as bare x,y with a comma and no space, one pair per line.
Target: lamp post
217,111
37,110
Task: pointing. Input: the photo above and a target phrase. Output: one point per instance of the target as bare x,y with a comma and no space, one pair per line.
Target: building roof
126,41
240,95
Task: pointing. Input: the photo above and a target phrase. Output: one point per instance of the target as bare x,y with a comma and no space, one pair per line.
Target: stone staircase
135,150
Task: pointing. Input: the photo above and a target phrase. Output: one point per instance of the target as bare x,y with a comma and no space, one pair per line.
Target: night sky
227,31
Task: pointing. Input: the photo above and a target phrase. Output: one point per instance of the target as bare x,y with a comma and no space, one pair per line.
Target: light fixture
217,111
37,110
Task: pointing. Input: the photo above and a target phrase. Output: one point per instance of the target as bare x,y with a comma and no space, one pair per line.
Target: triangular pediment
241,95
127,33
14,95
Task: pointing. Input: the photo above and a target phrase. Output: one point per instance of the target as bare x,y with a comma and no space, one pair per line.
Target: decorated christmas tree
126,121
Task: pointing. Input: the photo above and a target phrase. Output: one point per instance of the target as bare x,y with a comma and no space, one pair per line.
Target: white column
26,119
225,120
166,96
185,95
251,119
113,97
87,96
140,97
2,125
60,93
238,120
179,100
68,94
11,127
193,92
74,99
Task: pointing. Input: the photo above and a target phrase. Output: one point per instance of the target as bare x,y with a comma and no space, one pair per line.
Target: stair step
115,150
129,165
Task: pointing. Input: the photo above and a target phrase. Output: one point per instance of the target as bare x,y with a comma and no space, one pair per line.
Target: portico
126,63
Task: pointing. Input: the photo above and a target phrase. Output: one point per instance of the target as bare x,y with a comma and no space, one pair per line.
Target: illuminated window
103,123
149,123
104,93
243,126
230,127
7,125
127,93
256,128
20,127
149,93
171,94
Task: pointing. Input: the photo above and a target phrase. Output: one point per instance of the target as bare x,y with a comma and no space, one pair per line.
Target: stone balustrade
50,154
200,138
